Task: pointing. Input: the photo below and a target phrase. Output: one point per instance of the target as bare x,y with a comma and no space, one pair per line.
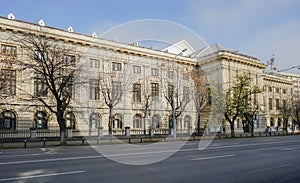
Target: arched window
70,120
187,121
279,122
156,121
171,121
40,120
95,121
117,121
272,121
8,120
137,121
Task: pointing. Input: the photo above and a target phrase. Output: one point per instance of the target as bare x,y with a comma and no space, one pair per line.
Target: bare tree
54,69
202,93
176,95
7,58
113,84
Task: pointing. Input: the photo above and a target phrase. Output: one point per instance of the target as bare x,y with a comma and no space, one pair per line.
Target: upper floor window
270,104
136,69
270,89
186,94
277,90
171,74
40,88
137,92
116,66
69,60
284,91
94,63
8,50
8,82
155,91
154,72
185,76
94,89
116,90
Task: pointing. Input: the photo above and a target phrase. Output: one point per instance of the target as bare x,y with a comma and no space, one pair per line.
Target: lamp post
174,98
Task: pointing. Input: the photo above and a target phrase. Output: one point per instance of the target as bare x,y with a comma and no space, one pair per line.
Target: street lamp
174,98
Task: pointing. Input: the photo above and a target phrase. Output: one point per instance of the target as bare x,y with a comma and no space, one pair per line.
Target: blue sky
257,28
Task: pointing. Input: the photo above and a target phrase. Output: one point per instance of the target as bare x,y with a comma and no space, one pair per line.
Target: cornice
17,26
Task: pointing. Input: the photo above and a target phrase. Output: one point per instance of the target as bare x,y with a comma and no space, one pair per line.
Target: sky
256,28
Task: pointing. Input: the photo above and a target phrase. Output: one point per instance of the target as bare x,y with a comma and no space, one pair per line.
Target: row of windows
277,90
8,121
8,50
277,104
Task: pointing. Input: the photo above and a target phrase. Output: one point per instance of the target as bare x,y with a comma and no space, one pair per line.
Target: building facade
139,76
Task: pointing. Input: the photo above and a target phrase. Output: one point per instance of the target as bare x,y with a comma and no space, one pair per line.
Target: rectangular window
154,72
270,89
116,66
137,93
155,91
116,90
277,90
8,82
185,76
186,94
8,50
277,104
171,74
94,63
69,60
284,91
94,89
270,104
68,88
171,91
40,88
136,69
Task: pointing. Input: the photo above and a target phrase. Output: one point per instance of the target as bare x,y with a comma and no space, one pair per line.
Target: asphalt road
269,159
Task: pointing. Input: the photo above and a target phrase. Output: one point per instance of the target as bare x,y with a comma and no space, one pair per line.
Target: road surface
268,159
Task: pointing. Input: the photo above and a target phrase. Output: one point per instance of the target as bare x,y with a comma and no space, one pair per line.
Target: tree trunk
110,122
62,127
252,129
232,129
198,124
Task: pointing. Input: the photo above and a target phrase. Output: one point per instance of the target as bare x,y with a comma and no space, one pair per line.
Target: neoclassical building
136,72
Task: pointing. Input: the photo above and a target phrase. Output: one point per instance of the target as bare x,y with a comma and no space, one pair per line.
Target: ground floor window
8,120
70,120
117,121
95,121
137,121
156,121
187,121
40,120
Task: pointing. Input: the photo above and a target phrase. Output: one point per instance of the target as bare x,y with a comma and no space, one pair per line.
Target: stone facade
149,69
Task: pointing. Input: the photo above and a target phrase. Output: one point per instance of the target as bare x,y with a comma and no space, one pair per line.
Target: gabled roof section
177,48
215,48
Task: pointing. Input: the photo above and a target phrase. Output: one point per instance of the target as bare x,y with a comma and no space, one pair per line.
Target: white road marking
49,160
249,145
19,155
267,169
213,157
43,175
